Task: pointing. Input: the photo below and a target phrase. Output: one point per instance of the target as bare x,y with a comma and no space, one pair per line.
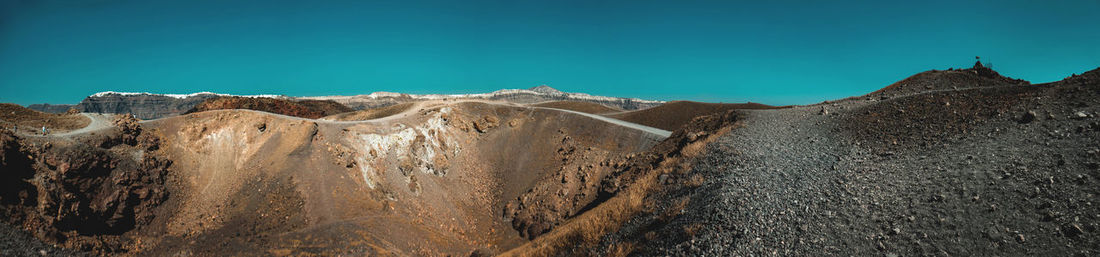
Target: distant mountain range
153,106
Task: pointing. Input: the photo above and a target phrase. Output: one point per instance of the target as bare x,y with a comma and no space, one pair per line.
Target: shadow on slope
670,116
585,107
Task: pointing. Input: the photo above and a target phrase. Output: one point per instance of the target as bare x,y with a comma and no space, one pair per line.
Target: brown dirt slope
27,119
306,109
372,113
327,107
585,107
670,116
630,190
241,183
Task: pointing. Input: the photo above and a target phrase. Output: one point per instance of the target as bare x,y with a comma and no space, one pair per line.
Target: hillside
30,121
249,183
150,106
305,109
672,115
372,113
585,107
974,77
532,95
1003,170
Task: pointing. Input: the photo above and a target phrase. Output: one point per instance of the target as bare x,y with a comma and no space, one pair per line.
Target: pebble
1080,115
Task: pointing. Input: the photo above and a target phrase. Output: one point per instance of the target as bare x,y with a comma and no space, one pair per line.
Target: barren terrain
956,162
1004,169
243,182
27,120
305,108
584,107
672,115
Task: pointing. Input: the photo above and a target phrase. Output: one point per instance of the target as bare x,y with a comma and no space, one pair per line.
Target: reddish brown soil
306,109
31,120
672,115
585,107
326,107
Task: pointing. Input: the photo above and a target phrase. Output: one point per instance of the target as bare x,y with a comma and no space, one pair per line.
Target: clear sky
774,52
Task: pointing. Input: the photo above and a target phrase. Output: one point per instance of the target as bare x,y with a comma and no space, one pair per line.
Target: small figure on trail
43,130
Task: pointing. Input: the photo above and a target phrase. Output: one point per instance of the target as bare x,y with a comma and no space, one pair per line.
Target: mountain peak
545,89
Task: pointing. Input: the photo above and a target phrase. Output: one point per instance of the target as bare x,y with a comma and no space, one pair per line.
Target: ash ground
1008,170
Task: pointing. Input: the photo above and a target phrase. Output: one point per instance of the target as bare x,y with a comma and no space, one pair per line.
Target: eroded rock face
242,182
424,148
564,193
79,195
590,176
143,106
14,188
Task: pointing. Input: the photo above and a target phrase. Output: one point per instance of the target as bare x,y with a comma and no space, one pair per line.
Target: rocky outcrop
143,106
52,108
84,195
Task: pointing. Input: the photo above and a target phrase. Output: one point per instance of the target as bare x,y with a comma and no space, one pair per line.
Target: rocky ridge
148,106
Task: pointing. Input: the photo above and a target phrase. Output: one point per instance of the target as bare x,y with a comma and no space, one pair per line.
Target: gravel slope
980,176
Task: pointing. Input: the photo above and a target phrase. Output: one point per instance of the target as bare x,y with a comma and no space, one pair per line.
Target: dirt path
99,121
651,130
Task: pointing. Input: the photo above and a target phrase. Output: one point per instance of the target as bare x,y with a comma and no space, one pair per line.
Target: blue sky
774,52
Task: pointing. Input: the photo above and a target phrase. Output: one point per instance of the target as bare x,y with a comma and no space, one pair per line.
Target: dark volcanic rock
1028,117
143,106
80,195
